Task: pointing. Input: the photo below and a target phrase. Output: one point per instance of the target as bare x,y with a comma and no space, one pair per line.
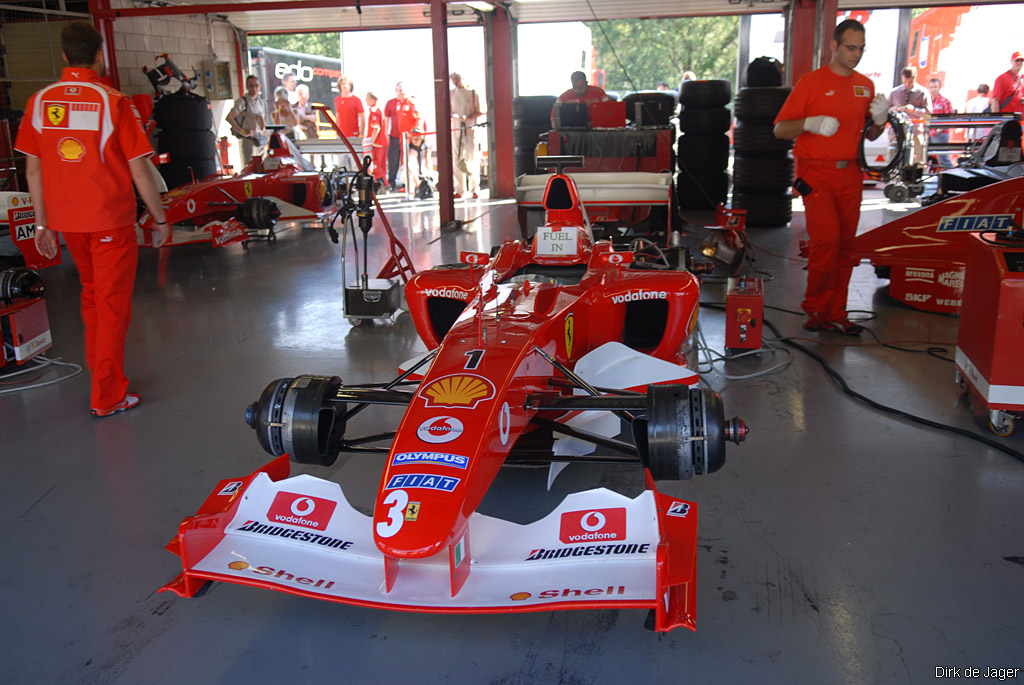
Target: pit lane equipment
527,349
24,325
990,338
744,314
923,253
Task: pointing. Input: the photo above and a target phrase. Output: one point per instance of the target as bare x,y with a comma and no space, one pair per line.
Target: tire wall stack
531,116
185,125
702,181
762,171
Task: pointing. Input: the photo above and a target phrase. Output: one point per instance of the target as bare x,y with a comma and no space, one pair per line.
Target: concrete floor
837,545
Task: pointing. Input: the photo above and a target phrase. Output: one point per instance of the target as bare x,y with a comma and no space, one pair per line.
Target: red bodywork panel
927,264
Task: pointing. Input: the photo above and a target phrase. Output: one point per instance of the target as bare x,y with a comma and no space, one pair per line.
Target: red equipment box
991,336
744,313
26,329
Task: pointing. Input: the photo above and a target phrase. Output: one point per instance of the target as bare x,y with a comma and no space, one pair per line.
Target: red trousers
106,262
380,162
832,211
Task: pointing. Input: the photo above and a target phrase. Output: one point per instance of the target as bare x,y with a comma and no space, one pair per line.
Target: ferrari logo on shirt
248,189
569,335
860,92
57,114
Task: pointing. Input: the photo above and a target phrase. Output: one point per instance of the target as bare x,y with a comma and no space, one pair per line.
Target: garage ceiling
309,15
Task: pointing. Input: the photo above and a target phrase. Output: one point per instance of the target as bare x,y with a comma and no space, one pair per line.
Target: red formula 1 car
526,348
924,253
283,186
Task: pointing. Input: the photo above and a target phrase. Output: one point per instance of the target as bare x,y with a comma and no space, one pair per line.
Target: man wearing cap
84,149
826,113
1008,91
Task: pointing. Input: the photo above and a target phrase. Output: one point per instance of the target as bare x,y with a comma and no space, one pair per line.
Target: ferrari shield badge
569,335
56,114
248,188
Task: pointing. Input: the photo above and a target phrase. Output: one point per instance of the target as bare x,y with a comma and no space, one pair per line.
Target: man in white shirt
465,112
248,121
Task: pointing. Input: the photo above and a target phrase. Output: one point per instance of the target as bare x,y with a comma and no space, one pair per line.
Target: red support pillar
502,154
105,25
442,109
811,19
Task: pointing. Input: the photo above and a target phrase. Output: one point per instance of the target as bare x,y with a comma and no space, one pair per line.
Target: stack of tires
531,116
185,125
703,148
762,170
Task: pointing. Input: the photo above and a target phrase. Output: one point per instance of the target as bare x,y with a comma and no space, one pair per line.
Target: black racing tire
757,139
701,190
764,71
765,210
707,120
656,107
704,94
533,108
708,152
191,145
183,113
764,174
760,104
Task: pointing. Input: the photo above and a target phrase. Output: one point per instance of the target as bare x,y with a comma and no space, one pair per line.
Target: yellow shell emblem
519,596
56,114
238,565
321,188
457,391
71,150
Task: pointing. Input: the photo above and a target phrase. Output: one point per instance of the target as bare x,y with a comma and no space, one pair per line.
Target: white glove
879,109
822,125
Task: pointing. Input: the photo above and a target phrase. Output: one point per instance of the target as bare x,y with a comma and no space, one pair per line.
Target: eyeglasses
854,49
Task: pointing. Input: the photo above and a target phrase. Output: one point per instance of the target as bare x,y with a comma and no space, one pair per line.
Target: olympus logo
637,295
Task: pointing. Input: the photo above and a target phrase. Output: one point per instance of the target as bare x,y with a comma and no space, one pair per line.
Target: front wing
597,550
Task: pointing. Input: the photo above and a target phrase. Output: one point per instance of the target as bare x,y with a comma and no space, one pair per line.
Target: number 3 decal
397,499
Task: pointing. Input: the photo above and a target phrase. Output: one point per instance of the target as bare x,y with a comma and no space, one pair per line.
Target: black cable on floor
899,413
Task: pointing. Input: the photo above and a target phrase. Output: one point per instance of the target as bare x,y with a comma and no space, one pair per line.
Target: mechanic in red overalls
85,147
376,140
825,113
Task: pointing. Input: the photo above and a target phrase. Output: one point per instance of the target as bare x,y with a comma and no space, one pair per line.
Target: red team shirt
376,118
401,115
846,98
75,127
348,109
593,94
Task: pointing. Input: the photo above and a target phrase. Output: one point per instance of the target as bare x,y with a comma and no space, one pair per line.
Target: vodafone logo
301,510
638,295
449,293
440,430
596,524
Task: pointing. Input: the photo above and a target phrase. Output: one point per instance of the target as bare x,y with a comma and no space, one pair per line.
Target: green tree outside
322,44
655,50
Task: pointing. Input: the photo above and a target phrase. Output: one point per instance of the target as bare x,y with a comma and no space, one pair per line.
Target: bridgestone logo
450,293
588,551
637,295
22,214
293,534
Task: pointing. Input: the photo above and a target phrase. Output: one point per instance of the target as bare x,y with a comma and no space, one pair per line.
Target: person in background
581,91
282,114
420,165
465,112
305,113
916,103
349,110
940,105
826,113
663,85
1008,90
689,76
290,83
247,120
400,116
84,149
979,104
376,141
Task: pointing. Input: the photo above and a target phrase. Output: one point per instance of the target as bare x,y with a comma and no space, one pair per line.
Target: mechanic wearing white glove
826,114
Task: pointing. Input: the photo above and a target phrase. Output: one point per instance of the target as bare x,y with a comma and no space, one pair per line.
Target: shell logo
321,188
457,391
71,150
238,565
520,596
